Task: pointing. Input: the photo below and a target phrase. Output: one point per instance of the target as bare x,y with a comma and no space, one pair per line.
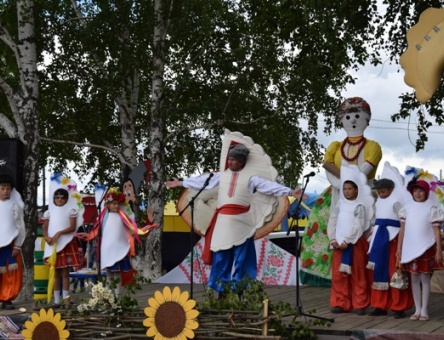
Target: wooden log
265,315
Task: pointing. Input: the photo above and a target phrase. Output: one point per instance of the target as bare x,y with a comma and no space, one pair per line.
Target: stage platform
316,300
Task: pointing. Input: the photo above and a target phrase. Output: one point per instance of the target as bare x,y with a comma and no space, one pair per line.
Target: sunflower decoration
170,315
45,325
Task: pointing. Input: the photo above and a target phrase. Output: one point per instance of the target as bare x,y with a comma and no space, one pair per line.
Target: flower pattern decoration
45,325
171,315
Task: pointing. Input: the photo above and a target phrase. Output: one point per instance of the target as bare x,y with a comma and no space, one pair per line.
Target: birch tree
261,68
19,84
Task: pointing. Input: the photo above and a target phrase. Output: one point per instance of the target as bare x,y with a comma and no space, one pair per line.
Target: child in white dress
419,246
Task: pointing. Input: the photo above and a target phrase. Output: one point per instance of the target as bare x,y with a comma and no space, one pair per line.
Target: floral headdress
354,104
114,194
419,175
418,183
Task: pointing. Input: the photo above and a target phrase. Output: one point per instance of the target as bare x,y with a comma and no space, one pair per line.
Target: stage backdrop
275,266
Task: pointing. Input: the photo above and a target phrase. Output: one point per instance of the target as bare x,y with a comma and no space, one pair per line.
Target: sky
381,87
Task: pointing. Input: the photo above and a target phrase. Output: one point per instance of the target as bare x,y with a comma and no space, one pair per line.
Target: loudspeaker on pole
11,161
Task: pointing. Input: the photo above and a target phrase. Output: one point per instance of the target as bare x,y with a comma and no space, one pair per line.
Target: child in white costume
347,230
384,245
419,246
118,232
12,235
61,221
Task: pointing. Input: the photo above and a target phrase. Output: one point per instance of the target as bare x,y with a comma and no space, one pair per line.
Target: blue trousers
242,256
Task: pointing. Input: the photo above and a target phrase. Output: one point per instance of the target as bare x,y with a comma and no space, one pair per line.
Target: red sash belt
227,209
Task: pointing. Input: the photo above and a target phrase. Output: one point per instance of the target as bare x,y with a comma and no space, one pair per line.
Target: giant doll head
354,115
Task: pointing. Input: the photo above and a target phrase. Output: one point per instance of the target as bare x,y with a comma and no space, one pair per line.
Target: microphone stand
191,205
295,225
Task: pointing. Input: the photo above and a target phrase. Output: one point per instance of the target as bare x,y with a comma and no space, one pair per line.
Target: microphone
207,181
311,174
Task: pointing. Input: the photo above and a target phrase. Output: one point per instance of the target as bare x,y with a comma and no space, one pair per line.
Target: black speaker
11,161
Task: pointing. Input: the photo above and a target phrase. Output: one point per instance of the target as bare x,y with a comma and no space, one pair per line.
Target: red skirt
425,263
69,256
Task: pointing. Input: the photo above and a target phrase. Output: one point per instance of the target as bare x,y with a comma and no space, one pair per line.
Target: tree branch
9,93
218,122
167,22
82,20
86,145
7,125
7,39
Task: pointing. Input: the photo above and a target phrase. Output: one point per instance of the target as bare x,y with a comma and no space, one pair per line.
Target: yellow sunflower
45,325
171,315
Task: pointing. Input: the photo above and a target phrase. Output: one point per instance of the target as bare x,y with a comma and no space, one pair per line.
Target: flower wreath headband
114,194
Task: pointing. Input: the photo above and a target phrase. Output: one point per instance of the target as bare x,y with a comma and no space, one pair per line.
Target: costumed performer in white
117,232
61,221
348,229
354,115
419,246
231,231
384,245
11,239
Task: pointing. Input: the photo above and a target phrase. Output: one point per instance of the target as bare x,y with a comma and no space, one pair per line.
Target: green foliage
267,69
250,296
400,16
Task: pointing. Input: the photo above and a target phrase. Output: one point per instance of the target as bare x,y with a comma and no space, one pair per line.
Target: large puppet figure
354,115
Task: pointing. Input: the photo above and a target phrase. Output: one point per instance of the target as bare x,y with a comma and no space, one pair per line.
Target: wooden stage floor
316,299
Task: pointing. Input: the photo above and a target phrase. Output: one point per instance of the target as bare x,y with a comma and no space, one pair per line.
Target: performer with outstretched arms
231,233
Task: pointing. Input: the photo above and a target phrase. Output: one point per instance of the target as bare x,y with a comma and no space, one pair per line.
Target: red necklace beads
346,141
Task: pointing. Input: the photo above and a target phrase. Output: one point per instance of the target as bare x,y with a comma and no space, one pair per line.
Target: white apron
233,230
8,229
115,240
59,219
418,234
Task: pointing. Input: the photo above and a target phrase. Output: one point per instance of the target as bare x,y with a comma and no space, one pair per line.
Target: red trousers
11,281
392,299
351,291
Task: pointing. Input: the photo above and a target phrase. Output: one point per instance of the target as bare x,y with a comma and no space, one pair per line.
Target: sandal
415,317
423,318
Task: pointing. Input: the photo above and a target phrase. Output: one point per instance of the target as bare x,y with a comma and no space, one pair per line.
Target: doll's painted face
354,123
129,191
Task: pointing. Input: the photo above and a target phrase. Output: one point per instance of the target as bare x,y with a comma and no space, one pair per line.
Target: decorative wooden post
265,315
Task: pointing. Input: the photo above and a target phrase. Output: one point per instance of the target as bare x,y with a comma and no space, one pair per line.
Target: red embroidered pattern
346,141
233,181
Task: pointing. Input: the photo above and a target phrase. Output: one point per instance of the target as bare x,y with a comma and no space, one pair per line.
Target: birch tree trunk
23,104
150,261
